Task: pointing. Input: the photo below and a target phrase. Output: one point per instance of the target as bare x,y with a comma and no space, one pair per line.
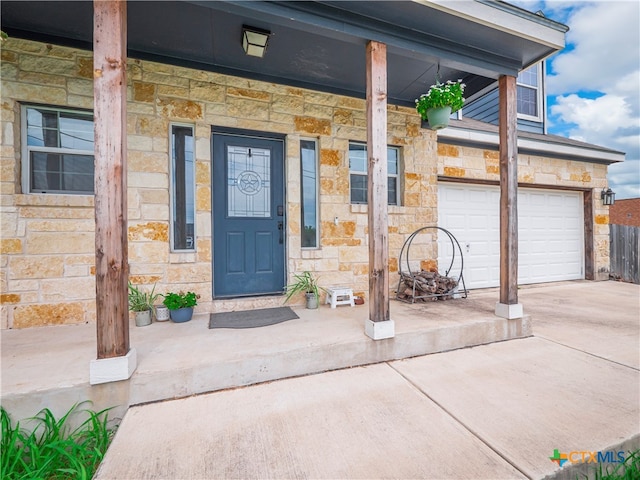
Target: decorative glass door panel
248,182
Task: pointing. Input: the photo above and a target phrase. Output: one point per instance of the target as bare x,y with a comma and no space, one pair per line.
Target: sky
593,85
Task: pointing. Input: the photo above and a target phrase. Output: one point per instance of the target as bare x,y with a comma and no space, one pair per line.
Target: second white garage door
550,233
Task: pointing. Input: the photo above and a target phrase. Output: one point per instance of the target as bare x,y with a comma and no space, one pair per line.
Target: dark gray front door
248,216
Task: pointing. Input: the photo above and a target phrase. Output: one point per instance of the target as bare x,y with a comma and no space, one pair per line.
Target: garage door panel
550,231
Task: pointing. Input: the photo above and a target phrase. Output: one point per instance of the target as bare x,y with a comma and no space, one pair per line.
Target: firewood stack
429,286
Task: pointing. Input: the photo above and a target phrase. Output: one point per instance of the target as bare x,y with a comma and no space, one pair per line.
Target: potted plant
180,305
161,313
141,303
305,283
437,105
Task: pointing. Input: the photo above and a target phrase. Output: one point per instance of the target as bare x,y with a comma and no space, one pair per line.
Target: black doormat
251,318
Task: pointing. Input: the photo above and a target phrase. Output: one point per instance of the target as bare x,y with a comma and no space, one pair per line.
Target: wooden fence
624,250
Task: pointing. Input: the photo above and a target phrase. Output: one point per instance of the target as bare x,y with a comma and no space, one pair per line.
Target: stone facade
47,267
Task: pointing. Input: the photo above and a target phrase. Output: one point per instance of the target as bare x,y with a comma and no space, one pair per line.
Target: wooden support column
110,97
508,306
379,325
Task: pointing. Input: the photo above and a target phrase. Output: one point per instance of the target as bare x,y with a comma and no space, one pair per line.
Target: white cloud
624,179
606,47
596,80
596,83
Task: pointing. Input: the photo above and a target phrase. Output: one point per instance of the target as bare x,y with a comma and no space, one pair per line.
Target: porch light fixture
608,196
254,40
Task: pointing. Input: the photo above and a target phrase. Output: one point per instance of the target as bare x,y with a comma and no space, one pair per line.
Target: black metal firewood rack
417,279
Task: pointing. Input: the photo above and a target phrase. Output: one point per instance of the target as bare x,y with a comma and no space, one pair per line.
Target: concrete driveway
488,412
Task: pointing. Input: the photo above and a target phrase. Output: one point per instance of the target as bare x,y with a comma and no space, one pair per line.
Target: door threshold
247,303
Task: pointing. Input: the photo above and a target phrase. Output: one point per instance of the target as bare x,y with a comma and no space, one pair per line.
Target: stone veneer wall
479,164
47,241
47,271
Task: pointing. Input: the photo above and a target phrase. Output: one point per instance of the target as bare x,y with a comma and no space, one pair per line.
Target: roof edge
506,17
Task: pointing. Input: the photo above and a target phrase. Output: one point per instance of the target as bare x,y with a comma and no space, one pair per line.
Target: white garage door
550,233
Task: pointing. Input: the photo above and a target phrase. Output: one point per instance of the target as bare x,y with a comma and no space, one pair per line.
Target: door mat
251,318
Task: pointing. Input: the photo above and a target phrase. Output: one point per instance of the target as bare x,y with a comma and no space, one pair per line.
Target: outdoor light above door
254,40
608,196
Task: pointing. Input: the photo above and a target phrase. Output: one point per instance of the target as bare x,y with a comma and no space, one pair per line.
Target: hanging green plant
441,95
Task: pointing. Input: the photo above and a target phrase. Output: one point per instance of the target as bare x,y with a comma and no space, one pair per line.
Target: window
182,188
57,150
529,92
358,173
309,193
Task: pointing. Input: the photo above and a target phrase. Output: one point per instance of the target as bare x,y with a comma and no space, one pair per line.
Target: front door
248,216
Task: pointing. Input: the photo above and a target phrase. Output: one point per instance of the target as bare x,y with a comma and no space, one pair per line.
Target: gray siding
485,109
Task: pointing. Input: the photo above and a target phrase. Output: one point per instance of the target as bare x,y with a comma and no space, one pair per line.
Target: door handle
281,231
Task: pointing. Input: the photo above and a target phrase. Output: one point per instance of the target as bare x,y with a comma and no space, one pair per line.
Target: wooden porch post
508,306
379,325
110,120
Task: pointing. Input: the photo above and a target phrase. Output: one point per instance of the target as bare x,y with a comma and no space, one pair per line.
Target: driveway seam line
541,337
460,422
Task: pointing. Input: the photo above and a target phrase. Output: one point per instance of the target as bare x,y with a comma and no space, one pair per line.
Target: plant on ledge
174,301
305,283
180,305
442,98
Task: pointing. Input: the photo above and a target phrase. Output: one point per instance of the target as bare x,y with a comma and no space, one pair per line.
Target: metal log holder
405,259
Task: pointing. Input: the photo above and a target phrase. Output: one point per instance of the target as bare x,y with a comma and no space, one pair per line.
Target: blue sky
593,85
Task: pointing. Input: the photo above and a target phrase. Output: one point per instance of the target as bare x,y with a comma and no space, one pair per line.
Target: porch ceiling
318,45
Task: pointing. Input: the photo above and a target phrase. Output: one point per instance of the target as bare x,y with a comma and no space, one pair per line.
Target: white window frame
365,174
539,94
27,149
172,189
317,182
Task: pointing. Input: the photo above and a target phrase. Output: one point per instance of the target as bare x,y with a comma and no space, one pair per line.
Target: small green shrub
174,301
52,450
305,282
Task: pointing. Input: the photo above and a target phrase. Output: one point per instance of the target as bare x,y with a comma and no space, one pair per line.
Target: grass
628,470
52,450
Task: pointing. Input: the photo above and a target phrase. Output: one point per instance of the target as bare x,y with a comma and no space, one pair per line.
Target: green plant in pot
306,283
437,105
180,305
141,303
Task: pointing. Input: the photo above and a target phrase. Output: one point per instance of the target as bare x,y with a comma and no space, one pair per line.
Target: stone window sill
361,208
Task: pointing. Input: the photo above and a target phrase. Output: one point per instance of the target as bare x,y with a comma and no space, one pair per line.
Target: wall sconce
607,196
254,41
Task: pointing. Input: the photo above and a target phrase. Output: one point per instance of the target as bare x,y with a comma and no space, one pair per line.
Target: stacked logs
429,286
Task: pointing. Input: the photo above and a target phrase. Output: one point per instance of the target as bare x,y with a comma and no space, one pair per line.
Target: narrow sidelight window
309,193
182,188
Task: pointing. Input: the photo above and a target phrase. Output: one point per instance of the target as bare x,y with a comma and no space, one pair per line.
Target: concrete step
49,367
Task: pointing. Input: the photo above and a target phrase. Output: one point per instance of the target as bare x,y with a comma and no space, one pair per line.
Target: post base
104,370
379,330
509,311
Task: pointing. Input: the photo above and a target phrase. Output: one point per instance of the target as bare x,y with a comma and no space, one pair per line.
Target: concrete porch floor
49,366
